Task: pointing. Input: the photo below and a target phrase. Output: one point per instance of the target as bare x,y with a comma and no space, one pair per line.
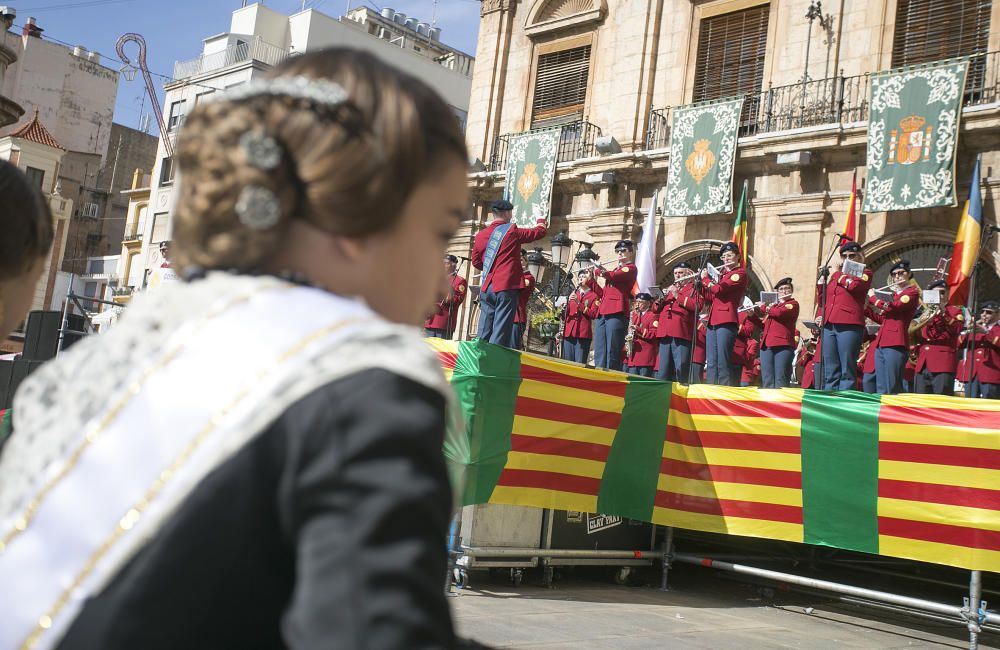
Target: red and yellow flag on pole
850,232
963,256
740,225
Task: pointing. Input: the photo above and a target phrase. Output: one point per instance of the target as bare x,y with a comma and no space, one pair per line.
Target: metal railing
132,232
255,50
576,140
834,100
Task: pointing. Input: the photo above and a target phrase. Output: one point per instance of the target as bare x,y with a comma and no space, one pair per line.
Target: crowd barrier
906,476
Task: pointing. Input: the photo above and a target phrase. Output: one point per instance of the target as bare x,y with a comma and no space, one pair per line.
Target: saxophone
630,336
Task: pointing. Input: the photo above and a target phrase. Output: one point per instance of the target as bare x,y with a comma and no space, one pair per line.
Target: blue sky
174,29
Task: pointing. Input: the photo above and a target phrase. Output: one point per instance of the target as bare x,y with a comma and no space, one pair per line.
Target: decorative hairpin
261,150
318,91
257,208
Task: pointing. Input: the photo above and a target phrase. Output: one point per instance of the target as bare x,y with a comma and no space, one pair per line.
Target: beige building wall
643,58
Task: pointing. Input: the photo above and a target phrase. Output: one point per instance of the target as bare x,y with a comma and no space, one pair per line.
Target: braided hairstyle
346,169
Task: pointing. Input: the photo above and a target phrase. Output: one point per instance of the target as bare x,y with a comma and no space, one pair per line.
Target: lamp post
814,11
559,257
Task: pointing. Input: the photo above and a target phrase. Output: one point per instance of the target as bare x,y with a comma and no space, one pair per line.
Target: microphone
993,229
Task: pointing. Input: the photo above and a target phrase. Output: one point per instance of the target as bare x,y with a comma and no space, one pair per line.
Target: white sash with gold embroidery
217,381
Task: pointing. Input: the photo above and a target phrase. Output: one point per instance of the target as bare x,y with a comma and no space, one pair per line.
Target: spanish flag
740,226
851,225
963,256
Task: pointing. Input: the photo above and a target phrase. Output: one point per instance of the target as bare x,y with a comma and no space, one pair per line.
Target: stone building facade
615,67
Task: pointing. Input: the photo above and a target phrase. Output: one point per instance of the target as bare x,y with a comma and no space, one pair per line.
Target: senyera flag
908,476
740,226
850,232
963,256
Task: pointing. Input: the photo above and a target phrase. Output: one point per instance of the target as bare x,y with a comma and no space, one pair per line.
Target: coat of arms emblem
528,183
911,142
700,161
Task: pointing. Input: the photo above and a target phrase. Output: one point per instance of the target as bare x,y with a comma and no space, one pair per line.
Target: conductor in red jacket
616,304
497,252
778,339
724,298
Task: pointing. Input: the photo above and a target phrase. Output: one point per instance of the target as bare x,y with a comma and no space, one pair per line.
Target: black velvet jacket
326,531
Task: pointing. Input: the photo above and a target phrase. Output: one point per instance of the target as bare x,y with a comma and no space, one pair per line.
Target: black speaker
74,323
22,369
41,336
6,394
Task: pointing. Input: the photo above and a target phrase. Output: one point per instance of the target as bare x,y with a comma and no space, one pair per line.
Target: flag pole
970,344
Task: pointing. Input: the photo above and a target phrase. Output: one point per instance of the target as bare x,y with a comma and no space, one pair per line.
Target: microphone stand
698,304
970,344
824,274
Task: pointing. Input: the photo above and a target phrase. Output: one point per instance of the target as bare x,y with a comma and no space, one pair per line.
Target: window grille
561,87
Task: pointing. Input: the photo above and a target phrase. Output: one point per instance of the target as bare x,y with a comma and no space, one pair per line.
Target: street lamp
586,256
561,244
536,264
814,11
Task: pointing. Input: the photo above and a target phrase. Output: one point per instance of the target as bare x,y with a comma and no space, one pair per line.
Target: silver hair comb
257,208
317,91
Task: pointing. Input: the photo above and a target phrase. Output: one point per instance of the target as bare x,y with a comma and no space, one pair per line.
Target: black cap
164,243
989,304
451,258
937,284
682,265
900,265
643,296
729,246
502,205
850,247
624,245
583,272
782,282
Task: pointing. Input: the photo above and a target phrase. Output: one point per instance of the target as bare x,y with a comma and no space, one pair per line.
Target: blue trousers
644,371
868,384
432,332
675,359
576,349
889,364
719,342
496,316
775,366
609,339
934,383
841,345
518,343
977,388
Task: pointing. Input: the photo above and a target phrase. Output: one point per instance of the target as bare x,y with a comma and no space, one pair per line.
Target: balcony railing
576,140
255,50
132,232
834,100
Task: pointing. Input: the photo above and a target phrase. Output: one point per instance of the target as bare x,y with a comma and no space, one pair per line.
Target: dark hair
26,221
348,172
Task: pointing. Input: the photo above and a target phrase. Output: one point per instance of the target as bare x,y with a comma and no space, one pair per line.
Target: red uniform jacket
869,359
439,320
581,310
644,339
809,365
896,317
743,337
676,314
987,366
505,274
523,297
751,371
726,296
617,297
698,354
845,298
779,324
909,370
939,340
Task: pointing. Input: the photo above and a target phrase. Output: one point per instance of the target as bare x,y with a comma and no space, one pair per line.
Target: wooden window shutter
560,87
930,30
731,49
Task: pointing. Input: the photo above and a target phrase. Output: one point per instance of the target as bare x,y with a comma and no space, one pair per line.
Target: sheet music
656,292
768,297
712,272
810,324
884,295
931,297
850,267
747,303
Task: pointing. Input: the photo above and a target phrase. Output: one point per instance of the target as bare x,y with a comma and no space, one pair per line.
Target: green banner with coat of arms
531,170
913,136
702,153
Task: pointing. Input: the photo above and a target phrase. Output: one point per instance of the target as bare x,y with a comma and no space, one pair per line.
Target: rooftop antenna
434,14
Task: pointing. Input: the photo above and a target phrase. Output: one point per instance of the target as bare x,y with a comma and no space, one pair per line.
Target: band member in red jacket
807,359
937,358
521,316
724,299
698,353
891,344
746,350
496,252
843,320
778,339
441,323
866,358
578,319
675,322
643,328
985,365
616,303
